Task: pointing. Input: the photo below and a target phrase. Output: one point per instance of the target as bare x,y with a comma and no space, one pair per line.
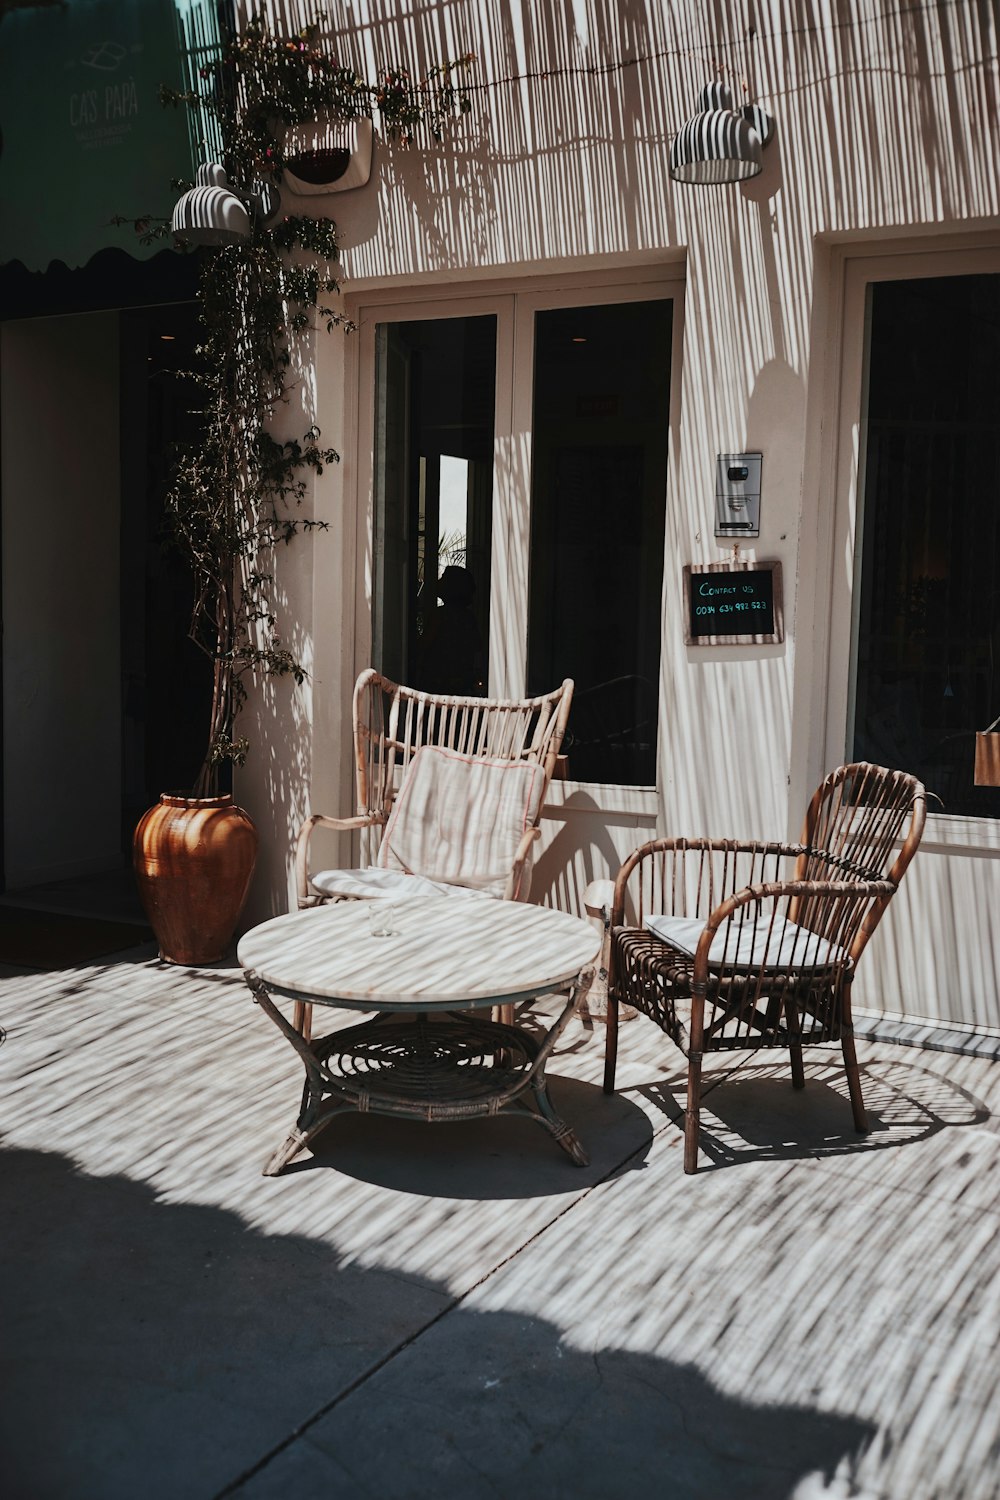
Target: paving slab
170,1314
424,1310
769,1327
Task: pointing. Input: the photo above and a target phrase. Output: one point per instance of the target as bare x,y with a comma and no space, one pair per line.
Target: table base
447,1067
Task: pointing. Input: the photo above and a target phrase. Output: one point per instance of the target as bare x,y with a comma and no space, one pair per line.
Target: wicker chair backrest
392,721
868,817
867,821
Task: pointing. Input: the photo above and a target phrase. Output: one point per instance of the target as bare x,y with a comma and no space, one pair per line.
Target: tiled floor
457,1310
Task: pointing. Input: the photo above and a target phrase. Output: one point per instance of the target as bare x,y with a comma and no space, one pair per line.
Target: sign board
84,134
733,604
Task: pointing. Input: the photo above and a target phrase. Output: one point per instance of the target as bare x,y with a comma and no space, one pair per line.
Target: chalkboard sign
733,605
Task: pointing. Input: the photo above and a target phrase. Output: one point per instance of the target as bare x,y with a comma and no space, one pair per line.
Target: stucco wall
887,130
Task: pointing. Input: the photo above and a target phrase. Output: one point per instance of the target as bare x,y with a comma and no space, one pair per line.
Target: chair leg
611,1044
692,1115
302,1019
794,1023
854,1083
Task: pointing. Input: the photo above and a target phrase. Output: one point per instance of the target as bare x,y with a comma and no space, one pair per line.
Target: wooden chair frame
392,721
862,829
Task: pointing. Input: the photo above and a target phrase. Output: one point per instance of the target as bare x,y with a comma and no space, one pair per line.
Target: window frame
515,305
838,613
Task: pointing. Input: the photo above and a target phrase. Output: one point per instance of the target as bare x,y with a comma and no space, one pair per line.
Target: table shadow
506,1156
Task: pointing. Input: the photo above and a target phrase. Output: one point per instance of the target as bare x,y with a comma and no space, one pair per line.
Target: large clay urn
193,861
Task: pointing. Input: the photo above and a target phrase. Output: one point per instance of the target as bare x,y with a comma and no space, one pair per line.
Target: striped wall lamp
720,143
210,213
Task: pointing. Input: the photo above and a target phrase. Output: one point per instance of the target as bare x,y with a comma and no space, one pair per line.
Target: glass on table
382,918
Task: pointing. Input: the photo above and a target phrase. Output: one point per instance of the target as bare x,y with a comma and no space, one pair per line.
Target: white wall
887,126
61,675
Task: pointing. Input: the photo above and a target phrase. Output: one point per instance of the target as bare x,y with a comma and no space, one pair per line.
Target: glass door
519,469
926,670
434,457
599,429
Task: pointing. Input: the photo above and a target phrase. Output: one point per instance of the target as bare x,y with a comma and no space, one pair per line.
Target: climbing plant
238,494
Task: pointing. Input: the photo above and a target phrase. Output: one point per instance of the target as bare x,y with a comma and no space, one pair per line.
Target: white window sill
951,834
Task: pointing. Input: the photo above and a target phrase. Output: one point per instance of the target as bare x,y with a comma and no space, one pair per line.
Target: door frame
515,303
838,591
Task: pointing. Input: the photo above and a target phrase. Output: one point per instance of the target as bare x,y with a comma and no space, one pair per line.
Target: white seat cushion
769,942
460,819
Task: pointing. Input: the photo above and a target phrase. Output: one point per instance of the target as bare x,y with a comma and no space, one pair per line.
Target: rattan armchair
392,723
758,943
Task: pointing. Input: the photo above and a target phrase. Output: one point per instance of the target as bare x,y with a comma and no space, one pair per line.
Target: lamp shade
209,213
717,144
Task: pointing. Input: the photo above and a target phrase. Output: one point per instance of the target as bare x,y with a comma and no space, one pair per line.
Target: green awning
84,136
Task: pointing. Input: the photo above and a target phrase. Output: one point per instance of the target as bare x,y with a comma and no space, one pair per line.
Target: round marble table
450,955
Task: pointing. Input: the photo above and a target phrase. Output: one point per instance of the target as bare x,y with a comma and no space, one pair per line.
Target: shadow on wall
566,161
278,717
581,850
945,896
552,140
162,1349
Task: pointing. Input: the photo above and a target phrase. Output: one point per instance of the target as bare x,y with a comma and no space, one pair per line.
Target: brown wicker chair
392,722
773,933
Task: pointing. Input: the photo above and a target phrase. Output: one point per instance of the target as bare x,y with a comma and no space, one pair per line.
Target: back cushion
460,818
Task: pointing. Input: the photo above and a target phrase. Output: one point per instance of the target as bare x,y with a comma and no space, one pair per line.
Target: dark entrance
927,672
155,729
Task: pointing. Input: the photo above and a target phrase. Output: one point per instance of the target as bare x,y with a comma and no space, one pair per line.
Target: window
434,436
927,653
519,484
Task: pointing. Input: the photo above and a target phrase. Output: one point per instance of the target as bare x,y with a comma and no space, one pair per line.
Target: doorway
519,478
926,668
104,698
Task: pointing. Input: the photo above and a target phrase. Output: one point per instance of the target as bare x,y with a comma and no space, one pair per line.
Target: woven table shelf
445,1067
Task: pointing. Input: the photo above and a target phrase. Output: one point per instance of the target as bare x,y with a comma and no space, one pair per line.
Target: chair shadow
755,1114
506,1156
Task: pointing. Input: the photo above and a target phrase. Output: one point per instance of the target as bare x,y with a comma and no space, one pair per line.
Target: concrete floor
423,1311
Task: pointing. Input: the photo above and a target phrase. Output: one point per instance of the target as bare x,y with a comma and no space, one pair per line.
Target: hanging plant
238,495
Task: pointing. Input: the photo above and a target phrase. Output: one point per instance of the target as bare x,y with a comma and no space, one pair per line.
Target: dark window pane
599,467
435,396
928,649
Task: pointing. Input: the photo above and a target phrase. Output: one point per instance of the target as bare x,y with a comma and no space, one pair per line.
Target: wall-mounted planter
328,156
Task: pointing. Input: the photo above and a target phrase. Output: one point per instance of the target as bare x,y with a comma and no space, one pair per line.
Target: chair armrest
872,894
852,892
709,880
517,887
667,854
321,820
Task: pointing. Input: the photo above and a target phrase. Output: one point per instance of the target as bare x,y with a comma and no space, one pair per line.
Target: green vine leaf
235,496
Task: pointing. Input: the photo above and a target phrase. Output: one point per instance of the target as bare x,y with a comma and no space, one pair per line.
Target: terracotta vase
193,861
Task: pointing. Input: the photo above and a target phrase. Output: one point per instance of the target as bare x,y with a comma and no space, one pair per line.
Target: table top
444,953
